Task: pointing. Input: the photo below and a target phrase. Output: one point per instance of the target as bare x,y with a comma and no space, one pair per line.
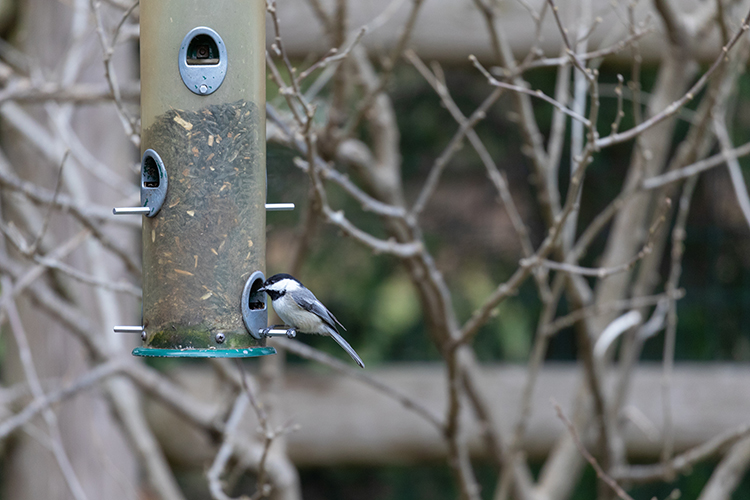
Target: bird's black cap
278,277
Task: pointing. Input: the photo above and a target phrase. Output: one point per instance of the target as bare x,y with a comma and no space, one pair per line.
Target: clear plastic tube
209,235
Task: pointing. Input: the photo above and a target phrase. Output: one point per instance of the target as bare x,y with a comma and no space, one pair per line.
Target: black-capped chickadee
300,309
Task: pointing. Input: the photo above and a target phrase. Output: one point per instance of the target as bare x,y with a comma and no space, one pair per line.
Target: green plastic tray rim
246,352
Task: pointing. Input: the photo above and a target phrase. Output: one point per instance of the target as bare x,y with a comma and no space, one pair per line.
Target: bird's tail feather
349,349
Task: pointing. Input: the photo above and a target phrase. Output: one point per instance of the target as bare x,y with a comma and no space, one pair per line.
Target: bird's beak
262,289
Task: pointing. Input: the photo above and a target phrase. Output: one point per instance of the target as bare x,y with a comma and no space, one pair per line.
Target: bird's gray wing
307,301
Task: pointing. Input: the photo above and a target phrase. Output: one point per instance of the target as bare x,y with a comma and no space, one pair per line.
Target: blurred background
456,398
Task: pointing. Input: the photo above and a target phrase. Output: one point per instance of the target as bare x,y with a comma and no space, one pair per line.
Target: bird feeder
203,178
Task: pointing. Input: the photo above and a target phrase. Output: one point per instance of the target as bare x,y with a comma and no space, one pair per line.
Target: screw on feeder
220,338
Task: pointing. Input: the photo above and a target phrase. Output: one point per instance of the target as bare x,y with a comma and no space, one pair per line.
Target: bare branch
498,178
45,223
24,353
129,124
589,458
735,171
523,90
385,76
674,107
603,272
26,91
598,308
678,236
368,203
226,450
682,463
405,400
550,62
697,167
333,56
84,382
453,145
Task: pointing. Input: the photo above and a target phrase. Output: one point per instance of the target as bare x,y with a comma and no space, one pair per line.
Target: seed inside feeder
215,185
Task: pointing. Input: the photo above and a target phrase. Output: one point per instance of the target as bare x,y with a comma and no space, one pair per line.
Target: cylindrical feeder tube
203,113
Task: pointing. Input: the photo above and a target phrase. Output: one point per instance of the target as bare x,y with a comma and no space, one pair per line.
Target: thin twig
333,56
367,202
619,114
675,106
570,47
678,237
523,90
388,66
735,171
596,309
453,145
603,272
13,236
35,272
61,202
589,458
696,168
28,91
457,450
30,371
684,462
45,223
84,382
436,79
551,62
213,475
128,122
407,401
264,488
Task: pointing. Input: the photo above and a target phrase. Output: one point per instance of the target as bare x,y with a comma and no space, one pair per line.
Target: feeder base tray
247,352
